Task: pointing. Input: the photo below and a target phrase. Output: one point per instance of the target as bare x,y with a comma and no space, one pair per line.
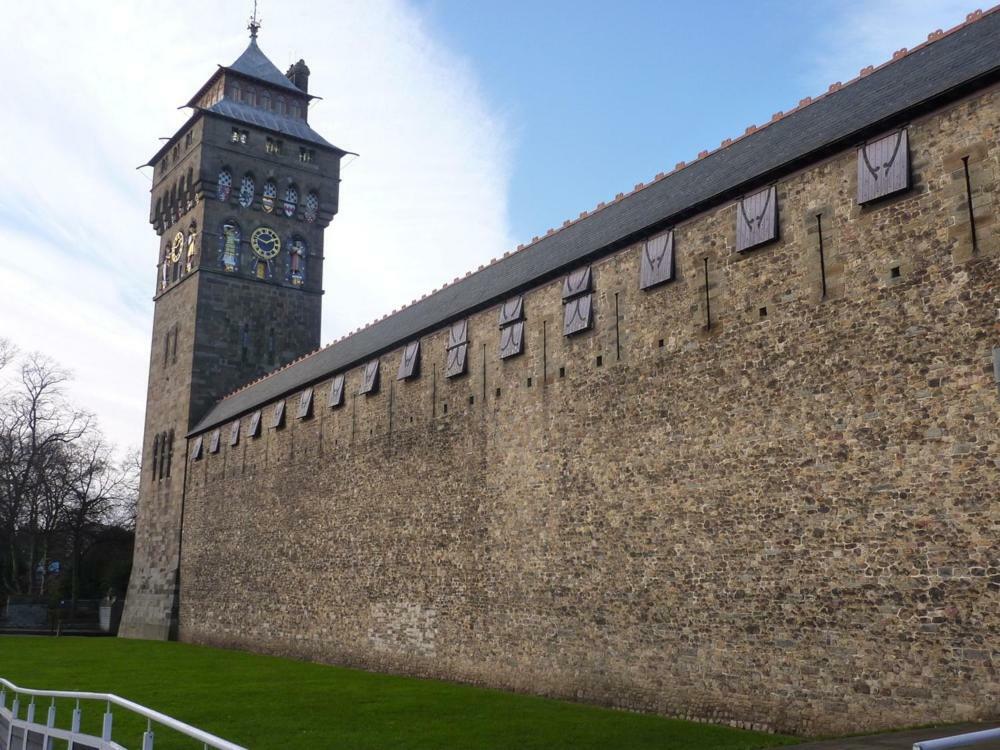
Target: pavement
900,740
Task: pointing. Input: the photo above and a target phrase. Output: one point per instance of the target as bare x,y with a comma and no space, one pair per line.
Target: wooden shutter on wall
577,302
278,416
578,314
512,340
456,356
409,362
370,380
656,261
456,361
883,167
337,392
512,327
757,219
213,444
305,403
512,311
234,433
254,430
577,283
196,448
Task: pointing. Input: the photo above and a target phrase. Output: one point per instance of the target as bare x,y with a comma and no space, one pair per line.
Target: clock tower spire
241,195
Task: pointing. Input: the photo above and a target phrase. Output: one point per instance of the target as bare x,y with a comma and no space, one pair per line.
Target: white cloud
88,89
860,33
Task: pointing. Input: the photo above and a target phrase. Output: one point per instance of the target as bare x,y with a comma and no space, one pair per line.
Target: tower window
273,146
246,190
224,186
156,453
188,139
240,136
291,200
311,207
306,155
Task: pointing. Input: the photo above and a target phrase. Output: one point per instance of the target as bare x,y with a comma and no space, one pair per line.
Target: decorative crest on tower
254,25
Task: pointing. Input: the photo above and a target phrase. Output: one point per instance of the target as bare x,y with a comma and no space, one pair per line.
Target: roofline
172,139
227,69
895,119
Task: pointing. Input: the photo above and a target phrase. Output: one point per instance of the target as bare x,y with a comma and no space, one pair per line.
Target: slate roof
290,126
948,66
254,63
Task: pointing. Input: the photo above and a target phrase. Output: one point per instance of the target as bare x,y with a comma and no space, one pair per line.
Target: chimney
298,74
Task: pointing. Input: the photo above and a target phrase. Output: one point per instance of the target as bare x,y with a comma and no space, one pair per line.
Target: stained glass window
229,251
268,195
297,262
225,184
312,207
246,190
291,200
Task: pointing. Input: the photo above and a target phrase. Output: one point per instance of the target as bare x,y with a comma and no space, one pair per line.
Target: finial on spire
254,25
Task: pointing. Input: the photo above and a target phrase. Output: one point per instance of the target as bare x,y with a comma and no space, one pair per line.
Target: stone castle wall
786,520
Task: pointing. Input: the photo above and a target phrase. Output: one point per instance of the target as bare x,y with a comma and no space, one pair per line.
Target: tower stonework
240,198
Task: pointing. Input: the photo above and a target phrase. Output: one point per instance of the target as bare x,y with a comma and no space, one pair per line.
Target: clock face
265,242
176,247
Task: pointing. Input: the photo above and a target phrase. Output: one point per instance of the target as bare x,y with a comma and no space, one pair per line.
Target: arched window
294,110
265,100
224,186
297,261
246,190
229,246
190,189
237,93
158,214
156,454
311,206
268,194
291,200
192,247
250,96
182,195
170,451
279,105
173,204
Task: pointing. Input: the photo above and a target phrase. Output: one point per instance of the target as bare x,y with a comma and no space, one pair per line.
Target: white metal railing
959,740
19,733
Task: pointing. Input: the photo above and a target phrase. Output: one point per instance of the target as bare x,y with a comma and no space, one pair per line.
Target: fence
960,740
25,732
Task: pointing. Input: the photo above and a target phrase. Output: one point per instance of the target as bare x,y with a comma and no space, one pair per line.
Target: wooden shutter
577,283
213,445
656,261
512,340
369,382
757,219
337,392
278,416
578,314
305,403
458,334
196,448
234,433
512,311
254,430
883,167
409,362
456,361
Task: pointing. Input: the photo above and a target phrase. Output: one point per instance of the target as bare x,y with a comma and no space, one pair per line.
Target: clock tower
241,195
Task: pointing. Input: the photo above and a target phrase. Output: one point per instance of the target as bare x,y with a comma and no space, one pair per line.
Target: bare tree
36,426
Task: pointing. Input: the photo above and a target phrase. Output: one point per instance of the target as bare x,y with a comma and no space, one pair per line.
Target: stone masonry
787,519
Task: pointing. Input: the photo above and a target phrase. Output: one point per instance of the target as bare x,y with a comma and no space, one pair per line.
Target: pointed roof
253,63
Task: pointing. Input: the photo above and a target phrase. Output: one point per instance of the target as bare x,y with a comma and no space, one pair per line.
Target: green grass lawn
265,702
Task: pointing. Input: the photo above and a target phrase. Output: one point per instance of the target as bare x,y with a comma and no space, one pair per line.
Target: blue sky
600,96
479,126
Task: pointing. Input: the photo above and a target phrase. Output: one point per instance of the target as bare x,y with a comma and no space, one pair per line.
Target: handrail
958,740
148,713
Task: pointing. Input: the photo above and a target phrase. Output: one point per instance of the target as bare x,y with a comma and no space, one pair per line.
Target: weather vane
254,22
